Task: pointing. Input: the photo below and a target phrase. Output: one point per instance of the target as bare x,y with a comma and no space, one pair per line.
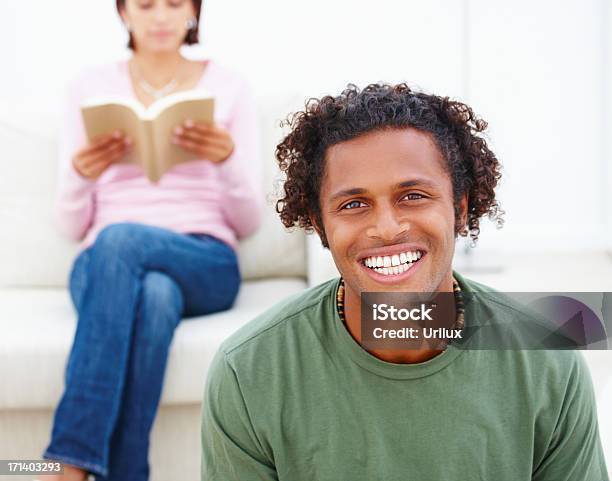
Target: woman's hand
210,142
94,158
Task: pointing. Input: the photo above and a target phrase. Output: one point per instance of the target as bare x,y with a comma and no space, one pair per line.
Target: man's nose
388,225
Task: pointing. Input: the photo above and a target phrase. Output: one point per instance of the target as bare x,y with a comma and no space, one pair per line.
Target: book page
149,158
196,109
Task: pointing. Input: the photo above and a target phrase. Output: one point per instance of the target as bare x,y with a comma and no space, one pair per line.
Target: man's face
387,199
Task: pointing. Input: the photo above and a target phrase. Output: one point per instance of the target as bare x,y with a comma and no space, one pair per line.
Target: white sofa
37,319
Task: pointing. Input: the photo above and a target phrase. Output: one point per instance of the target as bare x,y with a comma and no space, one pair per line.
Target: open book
150,128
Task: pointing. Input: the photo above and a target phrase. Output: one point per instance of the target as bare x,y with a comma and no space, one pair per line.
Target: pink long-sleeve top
224,199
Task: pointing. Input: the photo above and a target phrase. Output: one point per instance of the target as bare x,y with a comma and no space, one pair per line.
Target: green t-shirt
291,396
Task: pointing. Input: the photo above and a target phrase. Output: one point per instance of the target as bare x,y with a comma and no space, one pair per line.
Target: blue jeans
131,288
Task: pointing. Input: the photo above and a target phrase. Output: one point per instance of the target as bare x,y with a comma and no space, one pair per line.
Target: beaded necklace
459,321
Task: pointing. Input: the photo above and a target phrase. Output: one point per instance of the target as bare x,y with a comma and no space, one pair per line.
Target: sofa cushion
38,327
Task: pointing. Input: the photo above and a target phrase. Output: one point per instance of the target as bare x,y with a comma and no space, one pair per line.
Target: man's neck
352,314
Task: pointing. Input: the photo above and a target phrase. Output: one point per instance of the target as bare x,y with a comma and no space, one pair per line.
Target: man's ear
315,224
319,229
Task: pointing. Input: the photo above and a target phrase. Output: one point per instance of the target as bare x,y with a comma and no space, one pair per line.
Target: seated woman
152,253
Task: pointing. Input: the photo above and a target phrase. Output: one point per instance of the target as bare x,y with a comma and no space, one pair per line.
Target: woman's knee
161,304
117,238
77,280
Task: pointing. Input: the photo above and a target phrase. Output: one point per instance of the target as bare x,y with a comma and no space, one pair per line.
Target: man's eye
352,203
414,196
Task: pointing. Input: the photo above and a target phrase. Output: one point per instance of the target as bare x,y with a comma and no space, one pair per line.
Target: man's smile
392,264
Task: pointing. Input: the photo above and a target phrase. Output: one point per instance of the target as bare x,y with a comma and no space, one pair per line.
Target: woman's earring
128,26
191,23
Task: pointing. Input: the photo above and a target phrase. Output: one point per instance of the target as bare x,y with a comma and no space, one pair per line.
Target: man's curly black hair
472,166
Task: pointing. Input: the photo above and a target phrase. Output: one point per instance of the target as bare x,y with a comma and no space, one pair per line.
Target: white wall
534,70
606,19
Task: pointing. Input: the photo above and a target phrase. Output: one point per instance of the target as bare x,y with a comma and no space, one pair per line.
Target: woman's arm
74,206
242,172
81,163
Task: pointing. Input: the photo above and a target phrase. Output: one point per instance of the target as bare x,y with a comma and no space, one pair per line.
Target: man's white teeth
390,264
393,270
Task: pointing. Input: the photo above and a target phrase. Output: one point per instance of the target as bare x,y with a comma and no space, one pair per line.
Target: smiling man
389,178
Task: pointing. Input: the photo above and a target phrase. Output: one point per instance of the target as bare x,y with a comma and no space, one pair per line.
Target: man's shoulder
299,306
495,304
521,324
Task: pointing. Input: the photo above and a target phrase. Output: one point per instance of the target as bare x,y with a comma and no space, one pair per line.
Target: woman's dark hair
472,166
192,34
